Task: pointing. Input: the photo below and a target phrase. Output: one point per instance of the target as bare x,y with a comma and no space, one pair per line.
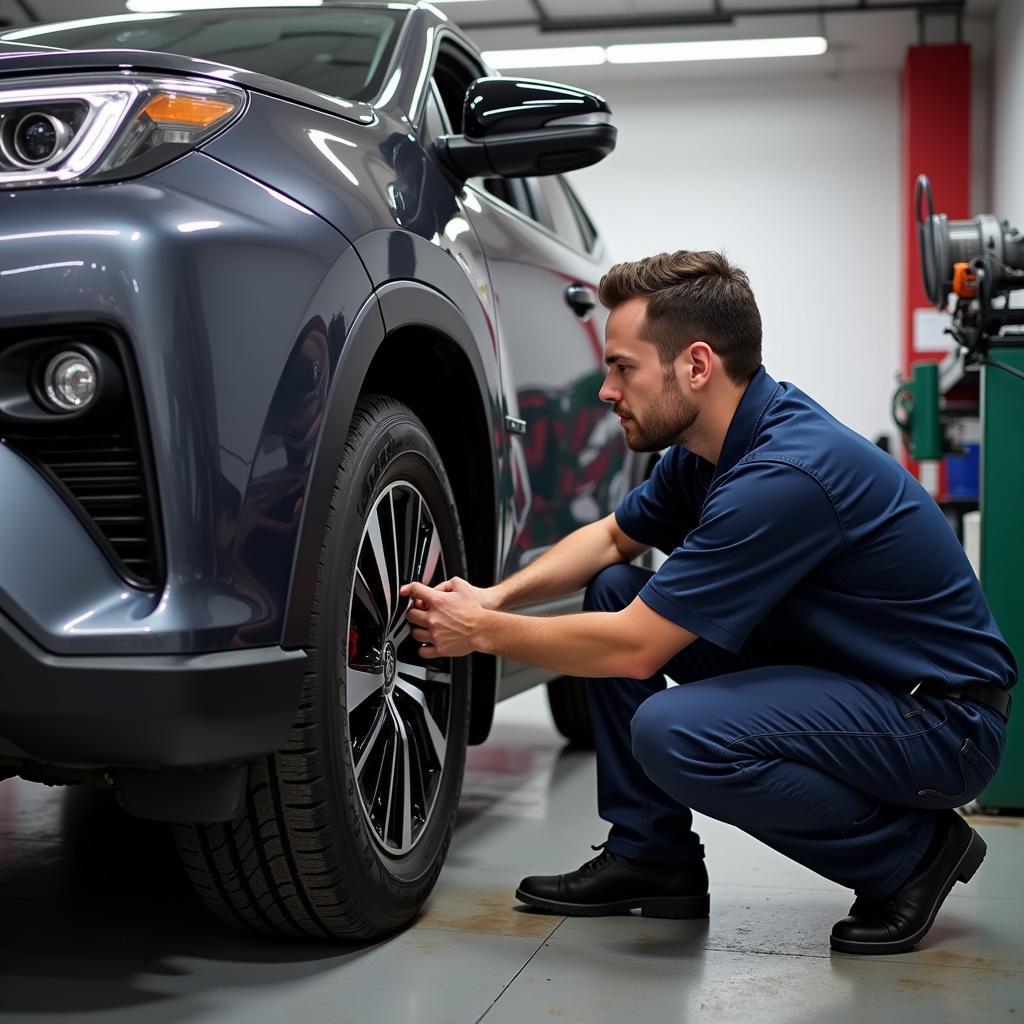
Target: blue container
962,472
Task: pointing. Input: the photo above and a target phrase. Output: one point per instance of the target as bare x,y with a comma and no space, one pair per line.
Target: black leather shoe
610,884
897,924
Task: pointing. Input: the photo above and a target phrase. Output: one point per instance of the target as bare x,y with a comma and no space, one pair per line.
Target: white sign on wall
929,331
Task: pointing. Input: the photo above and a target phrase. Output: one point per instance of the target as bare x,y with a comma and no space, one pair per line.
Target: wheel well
431,375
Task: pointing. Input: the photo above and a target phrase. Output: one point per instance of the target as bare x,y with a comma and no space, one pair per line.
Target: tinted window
338,52
560,215
454,71
511,191
586,225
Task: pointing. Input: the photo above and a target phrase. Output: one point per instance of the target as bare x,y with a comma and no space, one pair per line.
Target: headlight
103,128
38,138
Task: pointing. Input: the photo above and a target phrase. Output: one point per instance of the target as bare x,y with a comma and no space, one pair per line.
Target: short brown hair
692,296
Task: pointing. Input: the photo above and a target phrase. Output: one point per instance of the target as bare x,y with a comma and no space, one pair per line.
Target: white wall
797,179
1008,114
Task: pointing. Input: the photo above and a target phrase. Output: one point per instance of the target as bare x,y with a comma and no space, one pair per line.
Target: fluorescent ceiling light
649,53
213,5
717,49
548,57
57,26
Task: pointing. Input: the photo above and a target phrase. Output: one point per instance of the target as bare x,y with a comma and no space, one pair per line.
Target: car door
546,298
544,262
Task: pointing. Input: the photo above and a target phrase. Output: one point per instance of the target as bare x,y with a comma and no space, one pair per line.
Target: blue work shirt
817,547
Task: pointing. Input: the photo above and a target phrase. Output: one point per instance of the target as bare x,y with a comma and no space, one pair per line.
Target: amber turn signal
194,111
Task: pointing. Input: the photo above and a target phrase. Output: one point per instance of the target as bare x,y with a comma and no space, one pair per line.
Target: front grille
99,463
103,473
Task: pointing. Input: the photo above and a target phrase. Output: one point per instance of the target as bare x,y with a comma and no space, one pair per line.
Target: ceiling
863,35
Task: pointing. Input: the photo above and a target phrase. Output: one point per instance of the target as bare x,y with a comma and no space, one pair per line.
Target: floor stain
948,958
484,912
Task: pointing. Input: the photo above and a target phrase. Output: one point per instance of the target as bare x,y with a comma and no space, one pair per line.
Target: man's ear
701,361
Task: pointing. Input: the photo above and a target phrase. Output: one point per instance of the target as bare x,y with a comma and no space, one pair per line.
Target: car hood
18,59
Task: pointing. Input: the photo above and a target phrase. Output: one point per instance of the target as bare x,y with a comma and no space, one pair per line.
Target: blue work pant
840,774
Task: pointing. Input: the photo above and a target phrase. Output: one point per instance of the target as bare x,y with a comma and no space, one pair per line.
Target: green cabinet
1002,544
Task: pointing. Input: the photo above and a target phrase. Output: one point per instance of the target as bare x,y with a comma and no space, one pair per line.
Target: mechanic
843,685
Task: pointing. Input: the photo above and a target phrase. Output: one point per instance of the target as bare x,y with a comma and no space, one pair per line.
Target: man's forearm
563,569
450,621
591,644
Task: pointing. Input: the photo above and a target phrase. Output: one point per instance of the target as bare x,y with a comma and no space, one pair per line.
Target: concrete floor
98,924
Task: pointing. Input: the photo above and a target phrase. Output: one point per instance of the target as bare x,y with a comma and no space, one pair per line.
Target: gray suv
295,307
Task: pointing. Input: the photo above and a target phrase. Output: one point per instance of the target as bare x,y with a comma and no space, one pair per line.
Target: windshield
340,52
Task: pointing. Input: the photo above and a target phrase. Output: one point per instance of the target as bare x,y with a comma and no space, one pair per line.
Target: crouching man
843,685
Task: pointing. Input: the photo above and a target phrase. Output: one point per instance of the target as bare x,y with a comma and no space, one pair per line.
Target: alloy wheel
399,707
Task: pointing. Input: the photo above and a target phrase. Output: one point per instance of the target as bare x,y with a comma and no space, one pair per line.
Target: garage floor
99,925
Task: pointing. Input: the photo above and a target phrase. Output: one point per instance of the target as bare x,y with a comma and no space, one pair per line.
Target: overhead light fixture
546,57
145,6
650,53
717,49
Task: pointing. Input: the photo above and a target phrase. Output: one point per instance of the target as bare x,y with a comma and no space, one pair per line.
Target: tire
346,827
567,697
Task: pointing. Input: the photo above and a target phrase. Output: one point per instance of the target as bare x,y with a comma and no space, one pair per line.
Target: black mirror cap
505,106
517,128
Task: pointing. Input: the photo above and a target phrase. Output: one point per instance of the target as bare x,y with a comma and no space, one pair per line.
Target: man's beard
665,423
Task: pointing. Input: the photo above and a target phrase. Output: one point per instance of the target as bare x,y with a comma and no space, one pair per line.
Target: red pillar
936,142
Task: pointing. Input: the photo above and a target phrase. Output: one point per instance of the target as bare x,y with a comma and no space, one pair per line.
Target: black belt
991,696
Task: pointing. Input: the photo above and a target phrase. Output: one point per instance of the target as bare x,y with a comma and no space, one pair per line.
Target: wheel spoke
427,673
368,601
396,722
437,739
414,537
409,555
432,557
360,685
403,631
406,783
382,716
377,546
398,563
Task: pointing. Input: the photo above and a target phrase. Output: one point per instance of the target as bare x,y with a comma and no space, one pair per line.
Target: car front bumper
143,711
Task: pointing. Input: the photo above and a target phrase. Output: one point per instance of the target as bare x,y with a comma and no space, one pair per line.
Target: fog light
70,381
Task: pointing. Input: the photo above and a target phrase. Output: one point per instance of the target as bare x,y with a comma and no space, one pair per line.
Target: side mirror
517,128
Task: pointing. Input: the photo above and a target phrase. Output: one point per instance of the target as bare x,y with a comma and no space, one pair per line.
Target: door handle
580,298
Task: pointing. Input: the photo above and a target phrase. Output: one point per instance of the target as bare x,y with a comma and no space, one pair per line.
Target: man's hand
445,618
